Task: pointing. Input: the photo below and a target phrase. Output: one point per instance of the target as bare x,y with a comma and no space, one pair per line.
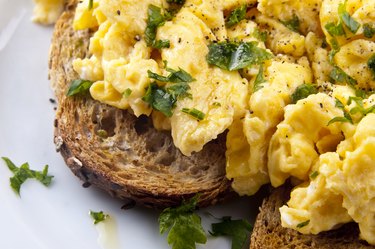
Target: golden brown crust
134,161
269,234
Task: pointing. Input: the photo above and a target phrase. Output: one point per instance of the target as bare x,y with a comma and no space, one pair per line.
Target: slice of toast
268,232
132,159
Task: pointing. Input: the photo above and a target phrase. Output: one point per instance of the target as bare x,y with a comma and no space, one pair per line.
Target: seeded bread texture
269,234
127,157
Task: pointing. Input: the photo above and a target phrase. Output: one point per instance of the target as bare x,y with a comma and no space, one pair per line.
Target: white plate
57,217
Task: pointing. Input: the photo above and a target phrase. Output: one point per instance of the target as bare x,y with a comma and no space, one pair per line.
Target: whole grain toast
268,232
113,150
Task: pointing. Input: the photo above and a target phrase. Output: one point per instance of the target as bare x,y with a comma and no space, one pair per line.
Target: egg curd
47,11
290,81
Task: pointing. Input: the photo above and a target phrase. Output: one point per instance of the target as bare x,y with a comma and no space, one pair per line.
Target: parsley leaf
314,175
79,86
127,92
371,64
154,20
236,16
335,30
174,76
292,24
346,118
184,226
335,49
338,75
237,229
98,216
91,4
259,80
24,172
349,21
163,99
233,56
303,224
194,113
368,30
159,99
303,91
260,35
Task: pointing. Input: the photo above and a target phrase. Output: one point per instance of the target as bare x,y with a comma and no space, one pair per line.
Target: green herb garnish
259,80
371,65
349,21
236,16
79,86
91,4
368,30
238,230
303,224
303,91
335,30
127,92
338,75
159,99
260,35
24,172
155,19
174,76
292,24
345,119
184,226
233,56
163,99
98,216
335,49
194,113
313,175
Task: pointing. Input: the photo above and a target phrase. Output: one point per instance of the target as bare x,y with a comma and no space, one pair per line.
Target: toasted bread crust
269,234
134,161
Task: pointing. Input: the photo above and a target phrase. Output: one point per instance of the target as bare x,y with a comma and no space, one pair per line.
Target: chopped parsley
292,24
303,224
314,175
368,30
155,19
159,99
163,99
338,75
79,87
183,225
237,229
233,56
335,30
303,91
345,119
91,4
194,113
24,172
259,80
127,92
335,49
371,65
236,16
349,21
260,35
174,76
98,216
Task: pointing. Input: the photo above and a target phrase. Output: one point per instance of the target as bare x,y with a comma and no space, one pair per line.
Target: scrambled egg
301,110
47,11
